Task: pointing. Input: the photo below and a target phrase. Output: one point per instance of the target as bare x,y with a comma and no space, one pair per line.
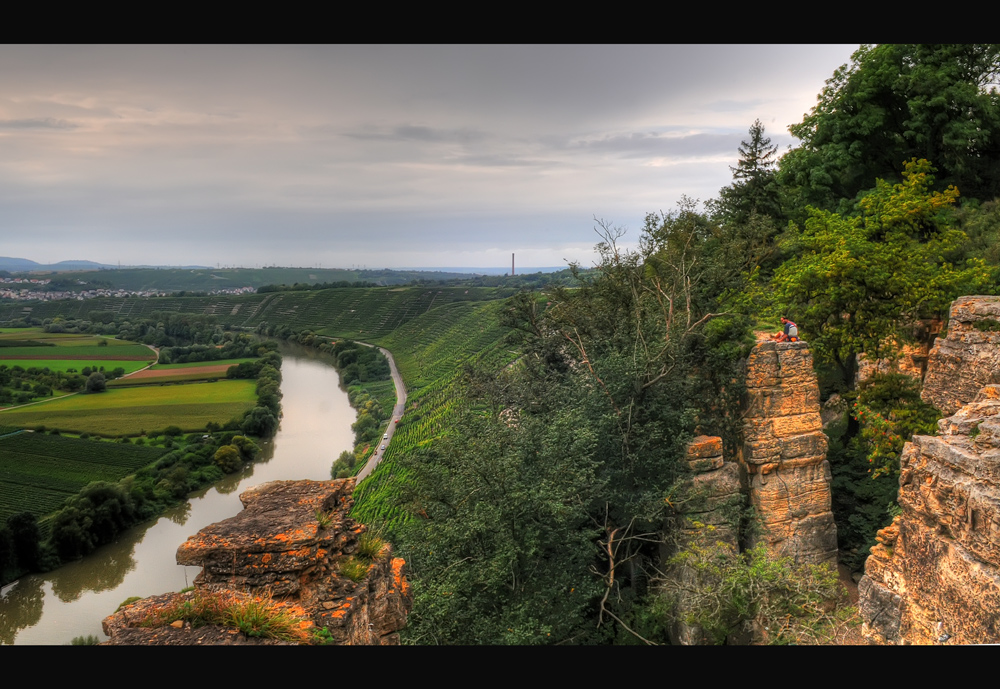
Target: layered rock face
968,358
706,523
934,577
293,543
784,455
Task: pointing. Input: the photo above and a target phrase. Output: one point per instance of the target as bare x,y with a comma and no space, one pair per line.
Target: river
54,608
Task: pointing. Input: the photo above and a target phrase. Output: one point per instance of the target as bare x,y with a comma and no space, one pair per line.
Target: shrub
259,616
370,545
354,568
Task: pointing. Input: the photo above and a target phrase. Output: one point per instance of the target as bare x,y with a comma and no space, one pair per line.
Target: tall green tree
754,190
890,104
857,284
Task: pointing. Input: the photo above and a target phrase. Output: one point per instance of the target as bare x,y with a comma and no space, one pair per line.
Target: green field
38,472
130,411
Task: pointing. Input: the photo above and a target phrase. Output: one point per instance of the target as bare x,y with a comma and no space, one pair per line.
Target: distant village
10,288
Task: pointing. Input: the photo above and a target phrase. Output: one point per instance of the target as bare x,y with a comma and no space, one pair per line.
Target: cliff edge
292,567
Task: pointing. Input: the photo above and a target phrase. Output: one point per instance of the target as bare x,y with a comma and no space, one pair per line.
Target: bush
779,602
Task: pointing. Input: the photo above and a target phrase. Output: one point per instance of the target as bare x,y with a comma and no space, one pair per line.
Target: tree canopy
890,104
857,284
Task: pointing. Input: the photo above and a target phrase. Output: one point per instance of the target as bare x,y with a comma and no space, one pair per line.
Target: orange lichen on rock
274,550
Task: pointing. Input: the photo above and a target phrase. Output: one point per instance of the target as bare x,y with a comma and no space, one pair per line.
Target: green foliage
255,616
782,603
89,640
893,103
354,568
323,519
890,412
857,284
127,602
228,459
754,190
370,545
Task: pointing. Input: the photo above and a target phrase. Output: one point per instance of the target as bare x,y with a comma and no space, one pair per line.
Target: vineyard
38,472
431,353
358,313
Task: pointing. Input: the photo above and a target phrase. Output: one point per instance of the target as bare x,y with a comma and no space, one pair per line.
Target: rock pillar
706,524
783,457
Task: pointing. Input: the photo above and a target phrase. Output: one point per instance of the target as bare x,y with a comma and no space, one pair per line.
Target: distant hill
23,265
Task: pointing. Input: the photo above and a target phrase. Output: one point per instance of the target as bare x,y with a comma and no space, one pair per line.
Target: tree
96,382
857,284
26,539
754,191
228,458
615,377
893,103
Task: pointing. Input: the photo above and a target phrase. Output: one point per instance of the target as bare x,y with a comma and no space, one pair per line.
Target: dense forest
539,517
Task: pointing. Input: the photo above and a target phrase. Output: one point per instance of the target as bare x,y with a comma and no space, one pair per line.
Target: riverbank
55,607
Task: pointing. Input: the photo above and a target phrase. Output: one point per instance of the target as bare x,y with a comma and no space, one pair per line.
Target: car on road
385,437
383,448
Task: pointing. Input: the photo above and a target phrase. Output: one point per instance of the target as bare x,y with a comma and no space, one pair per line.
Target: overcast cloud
386,156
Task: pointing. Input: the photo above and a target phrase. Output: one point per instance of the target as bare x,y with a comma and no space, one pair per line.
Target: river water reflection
71,601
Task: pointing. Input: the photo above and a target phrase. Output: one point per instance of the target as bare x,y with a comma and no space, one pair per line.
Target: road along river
54,608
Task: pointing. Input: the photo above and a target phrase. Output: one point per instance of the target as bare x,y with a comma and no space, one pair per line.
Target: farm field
38,472
130,411
178,373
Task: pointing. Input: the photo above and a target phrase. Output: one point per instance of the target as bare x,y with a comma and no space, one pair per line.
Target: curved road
397,414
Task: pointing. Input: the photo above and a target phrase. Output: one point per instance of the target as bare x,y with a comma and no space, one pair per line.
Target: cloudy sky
384,156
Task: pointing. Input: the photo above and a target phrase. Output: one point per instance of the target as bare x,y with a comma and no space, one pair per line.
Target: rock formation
784,455
934,576
707,520
295,546
968,358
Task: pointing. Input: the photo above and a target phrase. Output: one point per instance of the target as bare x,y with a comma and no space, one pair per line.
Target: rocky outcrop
968,358
295,547
934,576
706,525
783,457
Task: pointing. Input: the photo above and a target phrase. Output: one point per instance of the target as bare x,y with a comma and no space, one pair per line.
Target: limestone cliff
783,456
960,364
934,577
295,546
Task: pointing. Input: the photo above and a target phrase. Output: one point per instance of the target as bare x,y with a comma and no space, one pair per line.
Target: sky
376,156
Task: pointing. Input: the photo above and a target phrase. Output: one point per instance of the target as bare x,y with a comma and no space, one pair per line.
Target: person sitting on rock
790,332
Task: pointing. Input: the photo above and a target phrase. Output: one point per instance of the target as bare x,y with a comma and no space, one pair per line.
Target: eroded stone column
706,524
783,456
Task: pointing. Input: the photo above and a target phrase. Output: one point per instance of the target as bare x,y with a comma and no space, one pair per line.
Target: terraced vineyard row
359,313
38,472
430,352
